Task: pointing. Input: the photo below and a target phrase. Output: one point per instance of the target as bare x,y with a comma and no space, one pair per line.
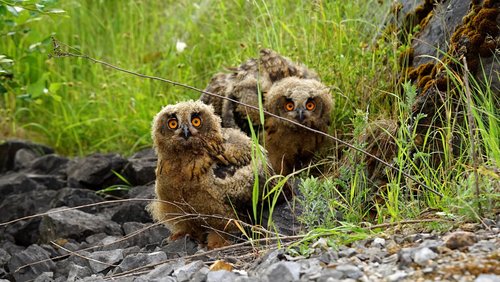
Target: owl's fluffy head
306,101
187,126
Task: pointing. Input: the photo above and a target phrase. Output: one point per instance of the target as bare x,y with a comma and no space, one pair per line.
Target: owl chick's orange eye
310,105
196,121
172,123
289,106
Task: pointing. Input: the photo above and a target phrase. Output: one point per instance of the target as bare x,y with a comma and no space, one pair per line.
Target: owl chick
245,81
202,169
306,101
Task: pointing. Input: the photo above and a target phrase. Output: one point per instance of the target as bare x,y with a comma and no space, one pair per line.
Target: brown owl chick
306,101
202,169
245,81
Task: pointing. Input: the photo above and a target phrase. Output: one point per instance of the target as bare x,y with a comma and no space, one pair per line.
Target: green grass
79,107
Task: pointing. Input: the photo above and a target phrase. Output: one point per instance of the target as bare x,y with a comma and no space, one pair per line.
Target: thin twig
59,53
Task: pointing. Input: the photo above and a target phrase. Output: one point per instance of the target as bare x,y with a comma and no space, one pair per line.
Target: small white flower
180,46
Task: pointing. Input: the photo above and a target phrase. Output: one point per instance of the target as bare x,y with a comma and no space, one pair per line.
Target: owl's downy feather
244,82
202,169
304,101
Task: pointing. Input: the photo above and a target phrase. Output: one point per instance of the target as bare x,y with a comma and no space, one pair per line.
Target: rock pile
116,240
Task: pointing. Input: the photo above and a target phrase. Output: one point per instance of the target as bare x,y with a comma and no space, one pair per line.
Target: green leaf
54,87
56,11
37,89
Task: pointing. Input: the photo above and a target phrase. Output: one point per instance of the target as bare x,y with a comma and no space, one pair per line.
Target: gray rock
131,212
487,278
141,171
143,235
246,279
75,224
378,243
74,197
350,271
187,271
45,277
164,271
32,254
422,256
4,257
96,171
201,275
282,271
181,247
221,276
330,274
51,164
77,272
9,149
140,259
102,260
405,257
52,182
16,183
348,252
23,158
397,276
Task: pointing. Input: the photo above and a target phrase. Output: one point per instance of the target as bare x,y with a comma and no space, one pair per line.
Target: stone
141,171
181,247
69,223
102,260
397,276
132,211
140,259
143,235
184,273
378,243
350,271
164,271
24,204
460,240
4,257
96,171
30,255
201,275
75,197
45,277
9,149
422,256
16,183
487,278
52,182
221,276
283,271
77,272
23,158
51,164
348,252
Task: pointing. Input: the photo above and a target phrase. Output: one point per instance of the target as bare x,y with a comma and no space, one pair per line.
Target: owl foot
215,241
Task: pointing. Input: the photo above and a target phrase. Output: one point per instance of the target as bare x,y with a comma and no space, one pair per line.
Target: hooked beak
301,114
185,131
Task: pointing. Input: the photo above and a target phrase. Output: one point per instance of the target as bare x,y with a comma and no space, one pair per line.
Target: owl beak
301,114
186,132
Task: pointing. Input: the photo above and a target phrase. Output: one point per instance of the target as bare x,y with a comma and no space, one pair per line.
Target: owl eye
172,123
289,106
310,105
196,121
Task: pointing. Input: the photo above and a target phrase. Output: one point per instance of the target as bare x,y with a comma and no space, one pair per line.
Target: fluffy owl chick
305,101
202,169
243,83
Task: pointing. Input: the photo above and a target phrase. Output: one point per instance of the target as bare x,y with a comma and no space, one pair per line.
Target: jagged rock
422,256
33,253
140,169
17,183
164,271
282,271
52,182
77,272
131,212
4,257
143,235
181,247
29,203
9,149
74,197
74,224
350,271
460,240
187,271
222,276
141,259
102,260
23,158
96,171
51,164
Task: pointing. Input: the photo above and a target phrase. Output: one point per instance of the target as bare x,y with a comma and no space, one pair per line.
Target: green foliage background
79,107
